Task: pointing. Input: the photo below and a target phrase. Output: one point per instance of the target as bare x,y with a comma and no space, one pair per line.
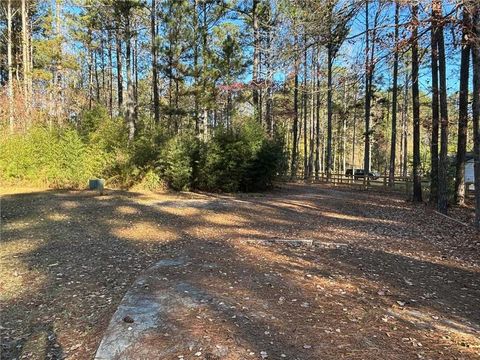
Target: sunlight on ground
17,278
11,249
17,226
464,337
69,204
225,219
186,211
145,231
127,210
296,269
340,216
14,190
58,217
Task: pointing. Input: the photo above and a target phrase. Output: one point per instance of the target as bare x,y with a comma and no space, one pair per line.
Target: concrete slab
152,319
147,309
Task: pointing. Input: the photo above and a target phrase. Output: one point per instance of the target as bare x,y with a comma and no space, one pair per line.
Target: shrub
51,158
223,161
239,159
151,182
263,167
89,121
175,161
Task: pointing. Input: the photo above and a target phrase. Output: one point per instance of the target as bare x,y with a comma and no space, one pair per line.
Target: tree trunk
25,55
476,107
57,77
256,59
393,140
344,128
293,167
97,80
156,99
405,128
269,103
90,71
417,185
311,150
110,74
312,118
435,111
119,71
329,112
368,70
130,104
317,127
102,54
354,135
305,113
135,78
10,66
205,50
463,111
443,164
196,68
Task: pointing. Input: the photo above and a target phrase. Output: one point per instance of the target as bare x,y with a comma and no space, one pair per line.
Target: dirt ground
383,278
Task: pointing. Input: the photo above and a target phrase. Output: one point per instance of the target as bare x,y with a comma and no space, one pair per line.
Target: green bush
223,161
175,162
110,135
263,167
90,121
151,182
238,159
50,158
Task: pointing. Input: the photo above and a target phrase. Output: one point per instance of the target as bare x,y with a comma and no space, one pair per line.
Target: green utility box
96,184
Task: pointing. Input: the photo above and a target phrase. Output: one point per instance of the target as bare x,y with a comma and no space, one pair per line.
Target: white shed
469,175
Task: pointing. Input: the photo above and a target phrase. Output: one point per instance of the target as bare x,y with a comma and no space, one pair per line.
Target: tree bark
328,159
25,55
312,118
317,125
294,163
10,66
256,59
90,71
196,79
102,54
393,140
463,111
354,134
156,99
476,107
417,185
110,75
305,112
97,80
269,103
135,80
119,70
368,70
435,111
443,164
130,104
404,168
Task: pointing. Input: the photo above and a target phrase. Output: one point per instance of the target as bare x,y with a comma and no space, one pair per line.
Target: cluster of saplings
241,158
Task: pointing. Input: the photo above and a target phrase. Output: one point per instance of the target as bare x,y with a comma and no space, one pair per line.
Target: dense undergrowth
241,158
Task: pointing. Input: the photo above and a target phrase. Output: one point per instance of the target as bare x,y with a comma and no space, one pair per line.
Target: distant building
469,175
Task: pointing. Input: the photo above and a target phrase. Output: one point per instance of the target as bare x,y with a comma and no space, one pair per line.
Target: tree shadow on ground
77,254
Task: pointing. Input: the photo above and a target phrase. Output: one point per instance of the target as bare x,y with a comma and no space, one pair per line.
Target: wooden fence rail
400,184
